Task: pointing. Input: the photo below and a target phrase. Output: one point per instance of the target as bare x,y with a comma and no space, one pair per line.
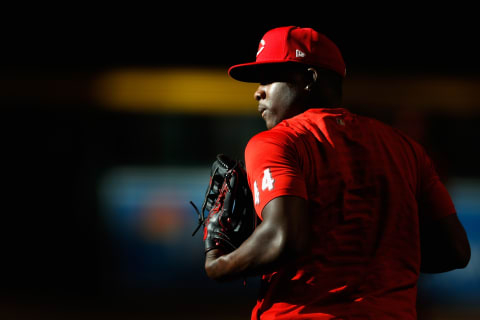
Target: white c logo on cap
262,46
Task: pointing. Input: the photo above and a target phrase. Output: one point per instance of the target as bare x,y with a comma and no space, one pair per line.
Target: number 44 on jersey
267,183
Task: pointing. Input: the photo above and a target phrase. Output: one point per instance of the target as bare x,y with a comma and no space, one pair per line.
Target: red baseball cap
291,44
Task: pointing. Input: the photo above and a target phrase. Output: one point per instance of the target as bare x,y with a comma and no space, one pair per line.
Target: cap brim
257,71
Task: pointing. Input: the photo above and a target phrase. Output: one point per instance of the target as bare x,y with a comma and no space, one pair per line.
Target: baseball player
351,210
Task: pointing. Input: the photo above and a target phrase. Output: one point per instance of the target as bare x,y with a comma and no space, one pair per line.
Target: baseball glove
231,218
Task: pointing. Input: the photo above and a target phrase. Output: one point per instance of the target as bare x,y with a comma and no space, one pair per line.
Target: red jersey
367,185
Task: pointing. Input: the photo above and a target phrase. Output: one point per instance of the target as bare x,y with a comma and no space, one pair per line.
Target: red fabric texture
364,182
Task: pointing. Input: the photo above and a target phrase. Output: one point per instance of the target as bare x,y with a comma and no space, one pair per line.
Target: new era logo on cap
299,54
291,44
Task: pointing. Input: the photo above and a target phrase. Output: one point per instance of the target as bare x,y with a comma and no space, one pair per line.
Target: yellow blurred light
175,90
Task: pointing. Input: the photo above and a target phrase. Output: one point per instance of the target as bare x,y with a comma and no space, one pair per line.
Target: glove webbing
201,214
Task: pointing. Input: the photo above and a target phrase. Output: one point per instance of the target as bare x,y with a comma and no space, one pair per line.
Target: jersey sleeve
434,199
273,169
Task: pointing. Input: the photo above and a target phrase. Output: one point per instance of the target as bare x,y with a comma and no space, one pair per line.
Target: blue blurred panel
460,287
151,223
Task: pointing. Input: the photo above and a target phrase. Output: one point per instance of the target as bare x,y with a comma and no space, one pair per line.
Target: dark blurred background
109,124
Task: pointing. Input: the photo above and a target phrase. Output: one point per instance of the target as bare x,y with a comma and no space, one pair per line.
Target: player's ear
312,76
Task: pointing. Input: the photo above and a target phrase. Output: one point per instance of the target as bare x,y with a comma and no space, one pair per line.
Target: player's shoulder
397,137
401,135
279,135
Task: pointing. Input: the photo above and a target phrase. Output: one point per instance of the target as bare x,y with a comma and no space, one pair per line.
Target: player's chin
269,124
